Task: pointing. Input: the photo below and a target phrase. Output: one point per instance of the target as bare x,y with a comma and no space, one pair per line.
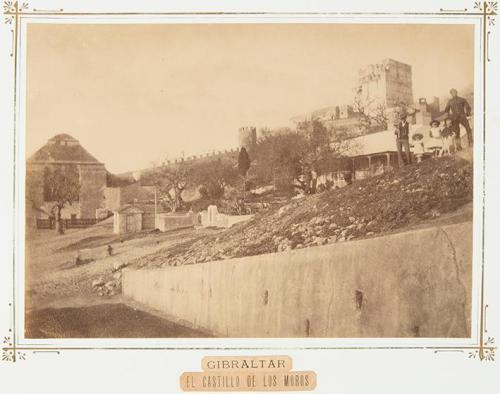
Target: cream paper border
25,345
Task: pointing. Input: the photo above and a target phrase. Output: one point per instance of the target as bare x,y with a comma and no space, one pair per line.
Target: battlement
208,155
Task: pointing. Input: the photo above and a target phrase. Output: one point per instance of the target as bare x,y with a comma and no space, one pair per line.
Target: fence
67,223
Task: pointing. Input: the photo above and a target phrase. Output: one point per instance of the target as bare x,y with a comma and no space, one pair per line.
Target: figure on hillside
458,109
418,146
447,133
435,139
402,140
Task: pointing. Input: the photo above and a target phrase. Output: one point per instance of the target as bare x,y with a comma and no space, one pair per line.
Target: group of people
442,139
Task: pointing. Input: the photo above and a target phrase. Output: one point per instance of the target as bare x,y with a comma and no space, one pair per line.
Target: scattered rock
118,265
390,201
98,282
110,285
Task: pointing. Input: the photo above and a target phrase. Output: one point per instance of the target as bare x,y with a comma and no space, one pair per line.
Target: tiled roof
62,148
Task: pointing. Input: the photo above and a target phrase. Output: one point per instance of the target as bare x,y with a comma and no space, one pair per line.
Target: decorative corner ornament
9,351
12,9
488,351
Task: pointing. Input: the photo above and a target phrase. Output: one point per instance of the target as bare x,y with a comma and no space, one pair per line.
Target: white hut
127,219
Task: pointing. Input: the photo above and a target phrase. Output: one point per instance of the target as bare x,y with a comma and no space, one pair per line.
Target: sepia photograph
249,180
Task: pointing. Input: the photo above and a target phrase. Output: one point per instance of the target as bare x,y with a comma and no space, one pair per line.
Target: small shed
127,219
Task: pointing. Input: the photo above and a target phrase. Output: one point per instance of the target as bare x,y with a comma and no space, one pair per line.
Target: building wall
398,80
92,181
35,198
388,82
148,221
124,223
373,84
345,111
34,190
112,198
168,222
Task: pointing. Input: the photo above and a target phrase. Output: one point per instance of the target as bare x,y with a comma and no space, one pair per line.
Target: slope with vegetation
386,203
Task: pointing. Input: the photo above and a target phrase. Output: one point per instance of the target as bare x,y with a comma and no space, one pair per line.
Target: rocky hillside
386,203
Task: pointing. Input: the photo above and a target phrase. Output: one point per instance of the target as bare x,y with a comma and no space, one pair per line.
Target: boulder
99,282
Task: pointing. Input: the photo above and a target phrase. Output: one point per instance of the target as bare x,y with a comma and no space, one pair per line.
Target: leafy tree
214,176
296,159
278,159
62,188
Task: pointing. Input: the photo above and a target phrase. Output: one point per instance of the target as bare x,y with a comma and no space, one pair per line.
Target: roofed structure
65,154
63,148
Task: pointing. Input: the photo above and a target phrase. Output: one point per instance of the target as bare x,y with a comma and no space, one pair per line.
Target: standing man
402,139
460,110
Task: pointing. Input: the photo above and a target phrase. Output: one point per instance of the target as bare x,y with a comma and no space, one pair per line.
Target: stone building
247,138
127,219
427,111
65,153
388,83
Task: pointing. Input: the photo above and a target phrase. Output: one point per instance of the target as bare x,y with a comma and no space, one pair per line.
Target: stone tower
388,82
247,138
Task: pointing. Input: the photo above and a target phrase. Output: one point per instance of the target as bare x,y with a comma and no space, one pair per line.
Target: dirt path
107,320
53,277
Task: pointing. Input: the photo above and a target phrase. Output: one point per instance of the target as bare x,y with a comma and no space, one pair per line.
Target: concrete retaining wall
167,221
410,284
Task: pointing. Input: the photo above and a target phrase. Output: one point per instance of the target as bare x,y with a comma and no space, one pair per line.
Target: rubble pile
110,283
374,206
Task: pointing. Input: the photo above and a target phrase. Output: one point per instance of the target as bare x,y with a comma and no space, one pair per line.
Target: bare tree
170,181
61,188
372,113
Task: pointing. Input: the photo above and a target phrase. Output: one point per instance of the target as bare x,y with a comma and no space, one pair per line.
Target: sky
135,94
